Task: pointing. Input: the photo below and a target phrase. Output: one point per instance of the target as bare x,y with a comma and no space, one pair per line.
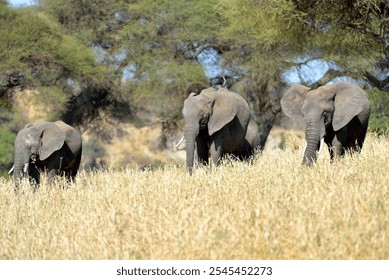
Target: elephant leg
336,149
51,175
328,139
358,135
331,151
246,152
52,167
76,166
338,143
361,139
216,151
34,176
202,151
335,142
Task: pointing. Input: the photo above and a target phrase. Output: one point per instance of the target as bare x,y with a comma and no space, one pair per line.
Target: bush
379,118
7,139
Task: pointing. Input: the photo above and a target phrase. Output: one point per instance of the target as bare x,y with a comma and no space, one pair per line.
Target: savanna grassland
271,209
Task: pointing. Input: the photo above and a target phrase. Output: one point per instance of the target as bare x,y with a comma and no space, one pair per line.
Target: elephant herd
217,122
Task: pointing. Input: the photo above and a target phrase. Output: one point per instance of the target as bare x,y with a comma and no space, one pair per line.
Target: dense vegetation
92,59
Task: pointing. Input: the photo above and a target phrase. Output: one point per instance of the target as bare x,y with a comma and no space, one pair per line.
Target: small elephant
54,147
337,113
216,121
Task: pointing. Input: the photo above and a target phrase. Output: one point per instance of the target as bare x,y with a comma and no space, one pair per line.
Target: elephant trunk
313,138
190,138
21,164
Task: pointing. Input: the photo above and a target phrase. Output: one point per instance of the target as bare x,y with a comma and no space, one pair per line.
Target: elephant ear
223,112
292,102
349,101
52,139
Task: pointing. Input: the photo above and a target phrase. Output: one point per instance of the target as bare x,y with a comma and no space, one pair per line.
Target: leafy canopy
33,43
342,32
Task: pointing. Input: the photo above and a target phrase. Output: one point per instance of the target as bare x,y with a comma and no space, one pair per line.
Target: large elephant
337,113
251,142
216,121
54,147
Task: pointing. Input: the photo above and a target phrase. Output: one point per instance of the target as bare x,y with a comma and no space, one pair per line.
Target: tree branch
374,81
329,76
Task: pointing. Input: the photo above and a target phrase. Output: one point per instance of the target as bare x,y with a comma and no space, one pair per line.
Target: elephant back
72,136
242,104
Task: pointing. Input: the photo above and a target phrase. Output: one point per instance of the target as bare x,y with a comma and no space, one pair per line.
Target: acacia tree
157,46
148,47
351,35
36,53
150,50
141,44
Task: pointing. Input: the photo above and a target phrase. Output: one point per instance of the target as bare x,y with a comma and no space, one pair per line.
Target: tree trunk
264,101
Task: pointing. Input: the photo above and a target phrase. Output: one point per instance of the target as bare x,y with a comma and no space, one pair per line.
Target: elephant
54,147
252,141
336,114
216,122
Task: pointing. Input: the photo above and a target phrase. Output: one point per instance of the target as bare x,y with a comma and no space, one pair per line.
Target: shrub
7,139
379,118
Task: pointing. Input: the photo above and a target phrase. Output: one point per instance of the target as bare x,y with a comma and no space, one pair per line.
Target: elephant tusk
224,81
179,143
11,170
304,147
320,146
25,168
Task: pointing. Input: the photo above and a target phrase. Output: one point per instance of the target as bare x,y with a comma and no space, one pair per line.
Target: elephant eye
325,117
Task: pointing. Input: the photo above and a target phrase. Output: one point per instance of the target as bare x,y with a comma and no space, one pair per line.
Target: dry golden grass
271,209
135,146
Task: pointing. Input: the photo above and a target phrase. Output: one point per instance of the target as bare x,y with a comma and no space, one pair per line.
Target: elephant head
326,109
206,114
36,143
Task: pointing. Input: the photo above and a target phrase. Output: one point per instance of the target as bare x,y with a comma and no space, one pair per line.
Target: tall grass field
272,208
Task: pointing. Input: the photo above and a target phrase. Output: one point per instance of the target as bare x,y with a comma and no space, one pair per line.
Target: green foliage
87,19
149,36
53,100
83,14
91,43
35,45
7,139
379,118
338,31
159,32
263,21
178,20
164,90
31,42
